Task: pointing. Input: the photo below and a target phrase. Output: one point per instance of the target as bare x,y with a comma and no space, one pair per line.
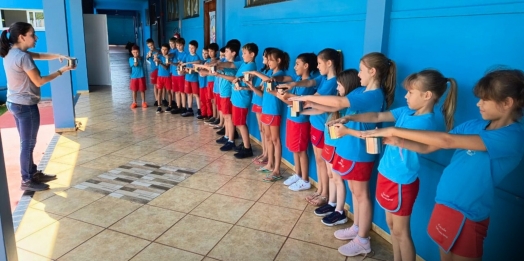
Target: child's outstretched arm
373,117
257,90
336,102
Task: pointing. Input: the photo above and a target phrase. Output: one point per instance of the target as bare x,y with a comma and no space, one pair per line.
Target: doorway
210,22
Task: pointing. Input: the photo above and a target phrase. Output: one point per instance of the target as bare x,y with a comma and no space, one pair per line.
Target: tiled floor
95,210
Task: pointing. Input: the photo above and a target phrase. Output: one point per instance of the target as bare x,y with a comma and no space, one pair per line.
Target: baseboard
381,232
64,129
83,92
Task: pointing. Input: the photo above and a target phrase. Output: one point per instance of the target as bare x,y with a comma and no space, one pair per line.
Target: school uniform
191,84
298,128
154,68
318,122
225,92
138,79
271,105
256,100
164,76
177,77
242,98
205,101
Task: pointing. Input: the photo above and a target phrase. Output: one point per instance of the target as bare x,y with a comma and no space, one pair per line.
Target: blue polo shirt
192,77
256,83
242,98
271,105
162,72
225,85
151,61
210,78
177,57
300,91
324,87
136,71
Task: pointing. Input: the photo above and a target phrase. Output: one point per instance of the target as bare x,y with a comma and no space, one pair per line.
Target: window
172,10
250,3
34,17
191,8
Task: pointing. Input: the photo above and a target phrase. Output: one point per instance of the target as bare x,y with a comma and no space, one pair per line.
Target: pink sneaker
355,248
346,233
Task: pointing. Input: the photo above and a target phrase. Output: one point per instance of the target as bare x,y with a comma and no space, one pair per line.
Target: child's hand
340,130
384,132
298,98
341,121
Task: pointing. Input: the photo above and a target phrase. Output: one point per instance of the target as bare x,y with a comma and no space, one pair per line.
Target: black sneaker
173,104
239,147
168,108
188,113
182,110
200,117
159,110
210,120
217,127
334,219
175,110
236,135
244,153
222,140
156,103
228,146
216,122
222,131
34,186
324,210
40,177
165,103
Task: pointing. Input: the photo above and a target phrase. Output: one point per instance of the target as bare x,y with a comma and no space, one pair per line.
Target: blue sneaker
324,210
228,146
222,140
335,218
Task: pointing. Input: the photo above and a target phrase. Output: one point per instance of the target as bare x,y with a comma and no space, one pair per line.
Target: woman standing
23,94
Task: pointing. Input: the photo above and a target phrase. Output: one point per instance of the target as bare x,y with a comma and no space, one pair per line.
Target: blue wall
461,39
120,29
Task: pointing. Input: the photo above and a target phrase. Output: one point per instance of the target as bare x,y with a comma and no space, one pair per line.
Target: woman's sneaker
324,210
346,233
291,180
334,219
355,247
300,185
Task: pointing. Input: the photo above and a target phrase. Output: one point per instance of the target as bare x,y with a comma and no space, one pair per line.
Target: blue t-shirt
242,98
324,87
210,78
192,77
151,60
468,182
136,71
176,58
202,82
299,91
271,105
398,164
360,101
162,72
256,83
225,85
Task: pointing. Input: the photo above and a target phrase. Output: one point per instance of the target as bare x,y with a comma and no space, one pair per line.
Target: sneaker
239,147
199,115
33,186
144,105
300,185
324,210
222,140
40,177
334,219
159,110
210,120
228,146
165,103
244,153
175,110
346,233
188,113
236,135
173,104
133,105
291,180
183,110
217,127
216,122
168,108
222,131
156,103
355,247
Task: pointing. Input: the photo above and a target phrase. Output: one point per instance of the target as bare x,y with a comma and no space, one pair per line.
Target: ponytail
386,73
5,45
283,56
450,104
335,57
15,30
390,82
284,62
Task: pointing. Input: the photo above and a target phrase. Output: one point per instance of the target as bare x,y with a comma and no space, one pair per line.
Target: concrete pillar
377,26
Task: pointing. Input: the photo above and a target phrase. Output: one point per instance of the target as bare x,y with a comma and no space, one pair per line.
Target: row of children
344,106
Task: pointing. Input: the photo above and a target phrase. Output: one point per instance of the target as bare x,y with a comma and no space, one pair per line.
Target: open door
97,49
210,24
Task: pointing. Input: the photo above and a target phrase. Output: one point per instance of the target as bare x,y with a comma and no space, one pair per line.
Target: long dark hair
15,30
283,56
265,69
311,60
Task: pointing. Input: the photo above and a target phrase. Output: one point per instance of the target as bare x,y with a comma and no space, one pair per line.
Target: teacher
23,94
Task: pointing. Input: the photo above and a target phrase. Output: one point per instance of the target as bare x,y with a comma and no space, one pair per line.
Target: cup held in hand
374,145
333,132
72,62
270,86
298,106
247,76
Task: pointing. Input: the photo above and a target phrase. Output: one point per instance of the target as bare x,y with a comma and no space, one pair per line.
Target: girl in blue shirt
397,183
487,150
351,162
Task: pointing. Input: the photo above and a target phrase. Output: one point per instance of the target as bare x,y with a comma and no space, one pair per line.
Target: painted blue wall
461,39
120,29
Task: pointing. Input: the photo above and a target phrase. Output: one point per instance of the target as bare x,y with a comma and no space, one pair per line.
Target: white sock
363,240
332,204
354,228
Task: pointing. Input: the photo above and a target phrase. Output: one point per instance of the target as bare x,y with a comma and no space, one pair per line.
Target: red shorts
328,153
191,88
271,120
396,198
350,170
177,83
470,240
317,137
239,116
153,76
210,86
225,105
218,101
256,108
163,82
297,135
138,84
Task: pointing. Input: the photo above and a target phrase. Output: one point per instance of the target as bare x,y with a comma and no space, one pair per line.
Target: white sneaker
300,185
291,180
355,248
346,233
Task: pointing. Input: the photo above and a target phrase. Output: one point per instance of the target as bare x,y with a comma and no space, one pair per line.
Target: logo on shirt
470,152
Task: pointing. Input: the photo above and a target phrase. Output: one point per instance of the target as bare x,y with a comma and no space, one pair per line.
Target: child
138,80
213,51
178,77
399,167
329,65
351,161
487,150
191,87
205,103
278,61
150,57
297,127
164,79
219,122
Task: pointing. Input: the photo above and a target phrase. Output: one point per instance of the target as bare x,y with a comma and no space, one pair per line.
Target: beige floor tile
226,167
107,162
107,246
134,151
155,142
106,211
245,188
298,250
195,234
53,167
382,250
33,221
223,208
76,175
78,157
209,259
269,218
192,161
58,238
181,146
207,181
54,188
310,229
26,255
162,156
180,199
211,150
147,222
158,252
247,244
106,147
82,143
67,202
281,195
61,151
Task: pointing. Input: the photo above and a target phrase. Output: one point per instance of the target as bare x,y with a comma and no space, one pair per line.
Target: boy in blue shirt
153,52
191,85
138,80
205,103
178,76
